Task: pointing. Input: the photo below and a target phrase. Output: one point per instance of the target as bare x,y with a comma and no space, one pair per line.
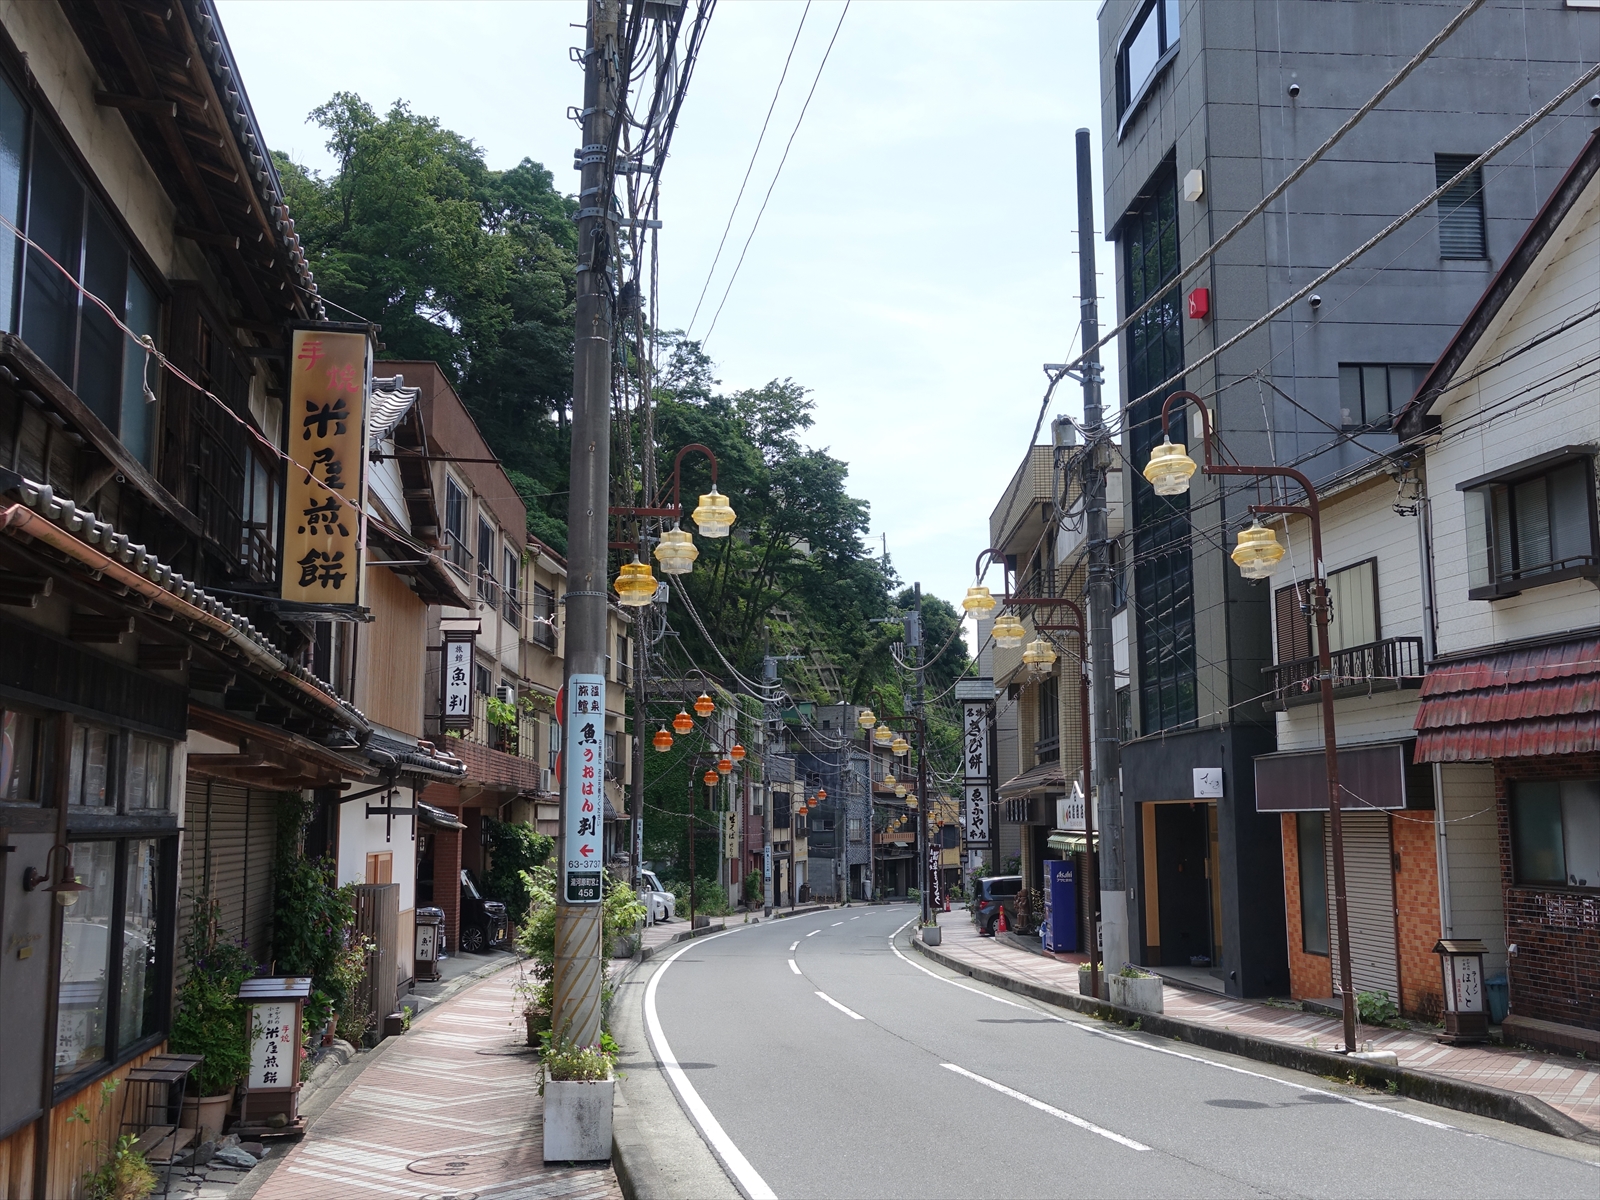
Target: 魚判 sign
583,788
330,377
456,703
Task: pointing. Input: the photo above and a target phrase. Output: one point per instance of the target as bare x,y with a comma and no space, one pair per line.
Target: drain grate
450,1196
456,1165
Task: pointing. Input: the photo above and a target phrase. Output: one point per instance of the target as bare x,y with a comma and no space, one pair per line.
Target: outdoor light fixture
725,765
867,719
812,802
1258,552
900,745
1008,631
883,735
683,722
66,886
1169,469
635,586
900,790
710,778
676,552
705,705
662,741
714,516
737,753
978,602
1040,655
822,793
888,779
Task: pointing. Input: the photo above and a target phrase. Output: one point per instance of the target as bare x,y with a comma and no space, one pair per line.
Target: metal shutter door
228,845
1369,891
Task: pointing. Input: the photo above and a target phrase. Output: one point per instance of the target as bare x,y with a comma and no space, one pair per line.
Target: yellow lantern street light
683,722
883,735
1258,552
1040,656
867,719
662,741
978,602
889,779
900,745
714,516
900,790
676,552
1169,469
1008,632
635,586
704,705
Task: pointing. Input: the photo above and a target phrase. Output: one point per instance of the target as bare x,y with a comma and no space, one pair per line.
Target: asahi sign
583,788
330,378
977,718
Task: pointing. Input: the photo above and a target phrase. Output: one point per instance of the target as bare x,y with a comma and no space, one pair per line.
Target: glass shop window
140,943
87,936
1555,832
24,751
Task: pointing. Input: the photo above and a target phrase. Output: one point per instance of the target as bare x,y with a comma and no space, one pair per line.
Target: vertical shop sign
976,719
456,703
330,378
582,788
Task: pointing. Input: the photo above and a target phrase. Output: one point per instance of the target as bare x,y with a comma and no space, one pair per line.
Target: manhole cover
450,1196
456,1164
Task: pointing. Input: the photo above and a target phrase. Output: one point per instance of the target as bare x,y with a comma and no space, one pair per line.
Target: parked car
483,922
659,904
989,896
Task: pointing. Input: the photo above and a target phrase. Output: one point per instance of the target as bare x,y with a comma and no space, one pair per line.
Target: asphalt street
821,1056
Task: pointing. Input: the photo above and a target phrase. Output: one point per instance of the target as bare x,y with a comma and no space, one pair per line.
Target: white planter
577,1120
931,935
1142,993
1083,983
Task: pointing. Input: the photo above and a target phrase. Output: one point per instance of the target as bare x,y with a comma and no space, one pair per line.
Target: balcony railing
520,742
1382,666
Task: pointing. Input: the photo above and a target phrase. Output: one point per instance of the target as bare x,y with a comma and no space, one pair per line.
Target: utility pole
923,852
576,1015
1108,747
641,642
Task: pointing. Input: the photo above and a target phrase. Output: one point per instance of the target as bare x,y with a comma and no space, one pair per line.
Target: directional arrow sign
586,851
583,787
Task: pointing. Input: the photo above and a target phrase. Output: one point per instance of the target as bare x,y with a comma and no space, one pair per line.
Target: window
1460,209
1163,579
141,943
1152,35
486,581
1533,526
483,679
1125,713
1313,862
1352,620
1555,832
258,519
87,932
149,772
78,340
1048,748
24,751
380,868
511,565
1371,394
455,526
856,834
116,770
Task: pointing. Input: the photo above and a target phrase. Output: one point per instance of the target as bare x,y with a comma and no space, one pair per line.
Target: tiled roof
1515,704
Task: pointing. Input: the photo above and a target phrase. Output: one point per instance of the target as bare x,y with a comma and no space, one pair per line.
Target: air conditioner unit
547,780
506,694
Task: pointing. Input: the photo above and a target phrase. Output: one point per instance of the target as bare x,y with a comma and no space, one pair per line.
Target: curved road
821,1056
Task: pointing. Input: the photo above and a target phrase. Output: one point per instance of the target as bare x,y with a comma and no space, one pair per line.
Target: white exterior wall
1471,859
361,835
1537,402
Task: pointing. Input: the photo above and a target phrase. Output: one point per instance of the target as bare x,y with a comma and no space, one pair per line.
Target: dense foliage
514,850
620,913
313,921
209,1019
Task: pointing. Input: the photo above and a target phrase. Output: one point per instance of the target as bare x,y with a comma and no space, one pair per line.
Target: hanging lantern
822,793
1169,469
725,765
714,516
1258,552
889,779
978,602
662,740
683,722
1008,631
900,790
710,778
883,735
811,803
635,585
899,745
911,800
867,719
705,705
1040,656
737,753
676,552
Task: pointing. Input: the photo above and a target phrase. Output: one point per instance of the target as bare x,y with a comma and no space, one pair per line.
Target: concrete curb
638,1174
800,912
1479,1099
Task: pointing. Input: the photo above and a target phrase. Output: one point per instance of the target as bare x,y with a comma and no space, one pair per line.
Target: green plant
209,1020
1393,1087
1129,971
914,894
313,922
752,889
1138,1023
620,911
500,714
405,1017
563,1062
514,851
1375,1008
124,1174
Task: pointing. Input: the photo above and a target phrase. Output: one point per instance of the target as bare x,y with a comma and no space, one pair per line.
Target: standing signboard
582,794
324,539
269,1099
976,719
456,703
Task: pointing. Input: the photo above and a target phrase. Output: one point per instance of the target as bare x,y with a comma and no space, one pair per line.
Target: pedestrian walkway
1570,1085
451,1109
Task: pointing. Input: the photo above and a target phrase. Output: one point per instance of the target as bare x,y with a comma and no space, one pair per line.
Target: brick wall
1416,899
447,881
1310,975
1555,973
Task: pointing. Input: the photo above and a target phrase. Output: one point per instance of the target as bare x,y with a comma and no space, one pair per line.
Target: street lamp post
1256,554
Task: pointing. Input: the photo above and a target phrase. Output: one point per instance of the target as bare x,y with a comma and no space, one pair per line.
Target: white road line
1047,1108
855,918
793,966
794,947
747,1177
1393,1112
836,925
854,1016
813,933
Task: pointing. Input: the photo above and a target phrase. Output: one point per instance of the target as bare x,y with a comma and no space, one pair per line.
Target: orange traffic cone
1001,926
947,902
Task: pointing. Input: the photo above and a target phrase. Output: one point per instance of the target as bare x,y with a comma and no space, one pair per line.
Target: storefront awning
1370,777
1072,843
1516,704
1047,779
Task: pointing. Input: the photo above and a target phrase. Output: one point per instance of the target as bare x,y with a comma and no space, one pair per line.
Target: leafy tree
515,850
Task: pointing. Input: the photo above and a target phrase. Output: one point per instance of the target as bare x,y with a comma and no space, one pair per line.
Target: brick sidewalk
453,1109
1567,1084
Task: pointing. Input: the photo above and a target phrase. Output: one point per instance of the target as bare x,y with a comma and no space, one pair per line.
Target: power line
801,118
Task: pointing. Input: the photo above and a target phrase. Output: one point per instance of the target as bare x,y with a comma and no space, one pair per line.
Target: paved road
824,1063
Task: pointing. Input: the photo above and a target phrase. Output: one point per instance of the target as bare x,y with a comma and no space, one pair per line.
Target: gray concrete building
1206,106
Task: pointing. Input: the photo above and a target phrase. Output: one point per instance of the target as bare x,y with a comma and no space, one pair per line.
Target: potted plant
210,1021
1133,988
931,933
576,1083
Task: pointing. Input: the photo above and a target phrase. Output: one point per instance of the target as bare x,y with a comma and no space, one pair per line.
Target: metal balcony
1382,666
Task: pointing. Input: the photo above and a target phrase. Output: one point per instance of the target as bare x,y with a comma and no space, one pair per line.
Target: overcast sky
916,264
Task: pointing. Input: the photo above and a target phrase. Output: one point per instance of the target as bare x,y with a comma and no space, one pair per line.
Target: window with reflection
24,751
140,942
87,936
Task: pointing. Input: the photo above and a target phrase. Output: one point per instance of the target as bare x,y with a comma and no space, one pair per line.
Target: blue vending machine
1061,905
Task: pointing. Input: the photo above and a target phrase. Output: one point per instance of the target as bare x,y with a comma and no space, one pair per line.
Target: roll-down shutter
1369,891
227,851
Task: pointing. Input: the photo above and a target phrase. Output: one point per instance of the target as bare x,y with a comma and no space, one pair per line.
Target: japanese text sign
323,539
273,1044
977,814
583,788
456,703
975,739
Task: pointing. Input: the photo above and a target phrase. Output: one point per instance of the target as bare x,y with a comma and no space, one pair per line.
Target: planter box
577,1120
206,1115
1142,993
932,935
1083,983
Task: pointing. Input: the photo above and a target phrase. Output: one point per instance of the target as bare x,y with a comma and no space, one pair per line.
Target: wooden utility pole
576,1008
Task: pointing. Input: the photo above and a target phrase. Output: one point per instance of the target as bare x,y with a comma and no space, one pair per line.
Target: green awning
1072,843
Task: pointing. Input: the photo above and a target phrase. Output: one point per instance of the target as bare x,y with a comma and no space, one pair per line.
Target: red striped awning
1516,704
